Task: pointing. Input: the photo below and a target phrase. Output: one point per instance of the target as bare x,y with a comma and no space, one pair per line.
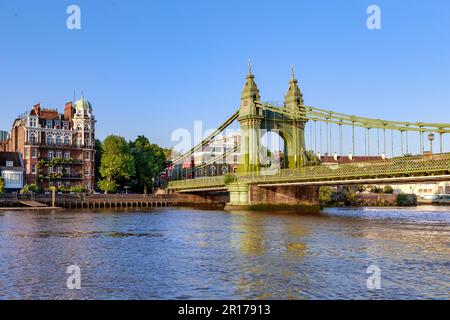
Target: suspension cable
209,138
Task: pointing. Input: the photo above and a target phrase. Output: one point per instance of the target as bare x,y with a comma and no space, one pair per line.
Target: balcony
62,161
60,145
66,176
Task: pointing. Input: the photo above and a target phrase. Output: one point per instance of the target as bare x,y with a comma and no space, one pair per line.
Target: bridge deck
405,169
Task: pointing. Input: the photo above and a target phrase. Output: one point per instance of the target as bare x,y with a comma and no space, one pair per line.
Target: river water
190,254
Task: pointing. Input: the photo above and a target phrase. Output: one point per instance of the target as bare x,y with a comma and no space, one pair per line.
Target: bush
377,190
30,188
77,189
325,196
2,185
388,189
360,188
404,200
230,178
107,186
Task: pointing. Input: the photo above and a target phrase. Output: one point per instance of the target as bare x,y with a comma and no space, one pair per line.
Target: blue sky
149,67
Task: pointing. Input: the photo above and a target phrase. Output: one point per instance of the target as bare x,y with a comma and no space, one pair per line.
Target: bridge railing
205,182
407,166
396,167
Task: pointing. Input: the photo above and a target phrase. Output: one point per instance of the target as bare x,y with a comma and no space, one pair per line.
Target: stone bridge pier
248,196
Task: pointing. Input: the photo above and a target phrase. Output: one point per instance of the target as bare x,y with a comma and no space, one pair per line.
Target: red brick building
57,148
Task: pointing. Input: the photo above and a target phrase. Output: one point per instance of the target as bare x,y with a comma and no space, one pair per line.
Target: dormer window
33,122
9,163
49,124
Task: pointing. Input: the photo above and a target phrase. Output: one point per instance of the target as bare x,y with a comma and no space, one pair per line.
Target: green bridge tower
254,119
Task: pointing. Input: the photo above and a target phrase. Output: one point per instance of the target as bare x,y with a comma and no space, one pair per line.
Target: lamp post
431,138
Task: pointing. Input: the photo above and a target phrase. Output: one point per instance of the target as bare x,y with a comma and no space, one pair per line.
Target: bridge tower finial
292,71
250,72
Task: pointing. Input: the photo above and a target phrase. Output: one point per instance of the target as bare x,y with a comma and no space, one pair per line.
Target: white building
11,170
423,189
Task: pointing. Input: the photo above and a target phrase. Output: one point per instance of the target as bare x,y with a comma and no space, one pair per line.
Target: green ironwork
390,168
203,183
289,121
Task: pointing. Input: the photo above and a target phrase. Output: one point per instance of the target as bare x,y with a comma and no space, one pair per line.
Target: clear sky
149,67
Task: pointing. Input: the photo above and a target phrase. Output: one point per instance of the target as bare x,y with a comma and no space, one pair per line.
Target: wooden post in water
53,196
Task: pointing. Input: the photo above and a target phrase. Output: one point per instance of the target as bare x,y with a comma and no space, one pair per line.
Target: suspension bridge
297,177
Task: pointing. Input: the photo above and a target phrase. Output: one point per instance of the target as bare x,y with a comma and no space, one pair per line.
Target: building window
59,169
67,155
33,169
49,141
66,141
49,124
58,154
50,170
33,122
224,170
67,170
58,140
50,155
32,138
212,170
86,155
87,170
34,153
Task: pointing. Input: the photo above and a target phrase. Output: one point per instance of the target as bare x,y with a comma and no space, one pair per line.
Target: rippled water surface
190,254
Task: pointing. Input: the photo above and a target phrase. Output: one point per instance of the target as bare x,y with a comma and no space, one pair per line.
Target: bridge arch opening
272,150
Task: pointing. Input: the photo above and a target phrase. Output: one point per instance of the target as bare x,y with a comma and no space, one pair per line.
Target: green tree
98,159
325,196
388,189
2,185
117,163
404,200
150,160
311,159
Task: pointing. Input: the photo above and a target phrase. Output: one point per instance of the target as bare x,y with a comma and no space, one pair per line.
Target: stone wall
288,195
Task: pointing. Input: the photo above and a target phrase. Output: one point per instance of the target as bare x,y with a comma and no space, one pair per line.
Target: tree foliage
325,196
405,200
150,160
311,159
117,163
388,189
2,185
98,158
